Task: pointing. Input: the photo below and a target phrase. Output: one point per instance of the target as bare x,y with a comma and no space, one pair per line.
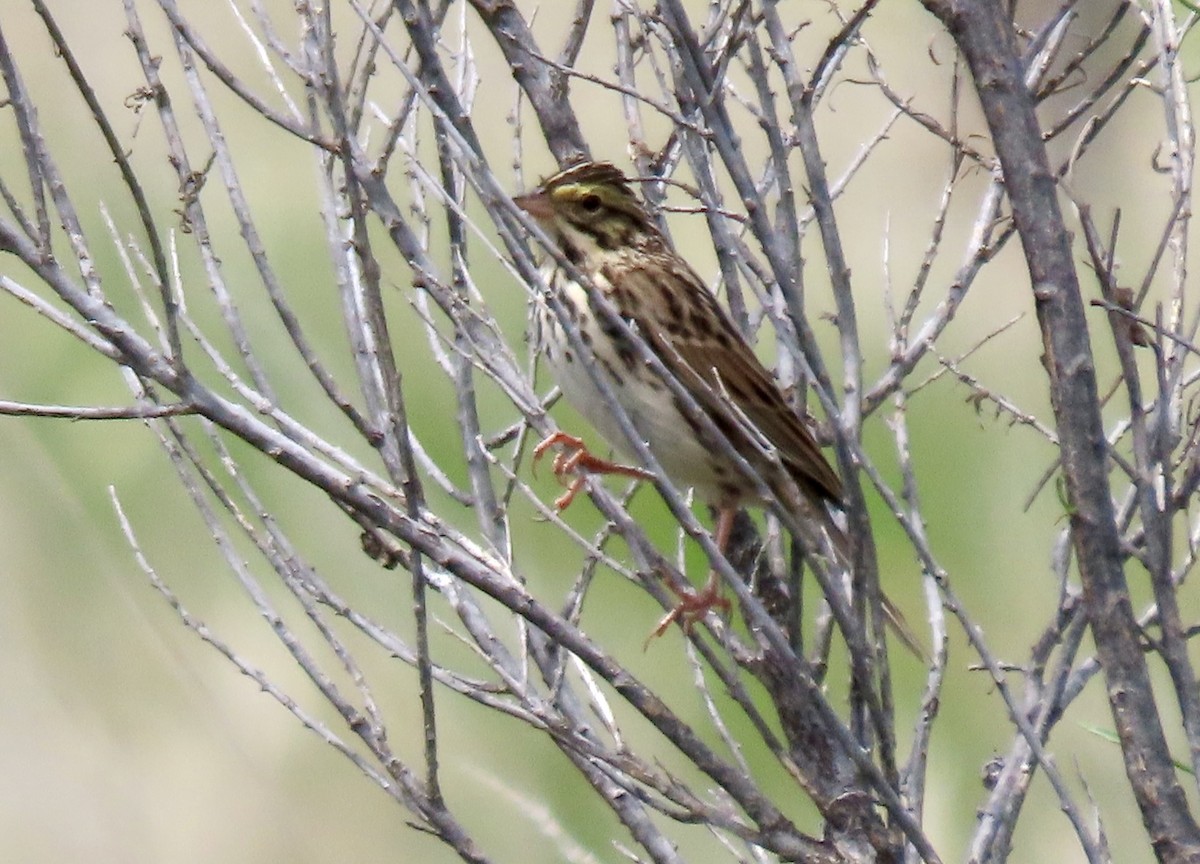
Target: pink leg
694,605
577,460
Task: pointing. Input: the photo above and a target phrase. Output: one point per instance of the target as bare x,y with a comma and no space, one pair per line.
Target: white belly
646,399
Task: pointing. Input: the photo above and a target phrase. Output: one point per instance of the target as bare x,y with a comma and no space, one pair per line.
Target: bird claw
576,459
692,607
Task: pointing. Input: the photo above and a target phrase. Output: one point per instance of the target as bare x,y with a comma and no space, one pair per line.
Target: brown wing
697,331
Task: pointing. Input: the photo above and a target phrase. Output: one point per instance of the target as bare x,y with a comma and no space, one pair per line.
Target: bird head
589,209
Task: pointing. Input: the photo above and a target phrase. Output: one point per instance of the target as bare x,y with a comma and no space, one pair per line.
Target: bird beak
536,204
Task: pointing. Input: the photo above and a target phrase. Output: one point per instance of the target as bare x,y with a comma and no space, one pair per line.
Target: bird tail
895,619
891,613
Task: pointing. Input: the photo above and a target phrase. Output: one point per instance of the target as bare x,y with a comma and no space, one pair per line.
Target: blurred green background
124,738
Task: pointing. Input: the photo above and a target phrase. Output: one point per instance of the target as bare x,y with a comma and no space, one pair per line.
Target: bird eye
590,203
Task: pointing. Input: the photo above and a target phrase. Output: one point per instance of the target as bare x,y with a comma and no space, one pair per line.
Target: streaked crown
590,203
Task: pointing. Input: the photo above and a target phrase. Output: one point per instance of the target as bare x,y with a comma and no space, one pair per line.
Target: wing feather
698,332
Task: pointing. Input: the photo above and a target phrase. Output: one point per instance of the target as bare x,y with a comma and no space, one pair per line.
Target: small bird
600,226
